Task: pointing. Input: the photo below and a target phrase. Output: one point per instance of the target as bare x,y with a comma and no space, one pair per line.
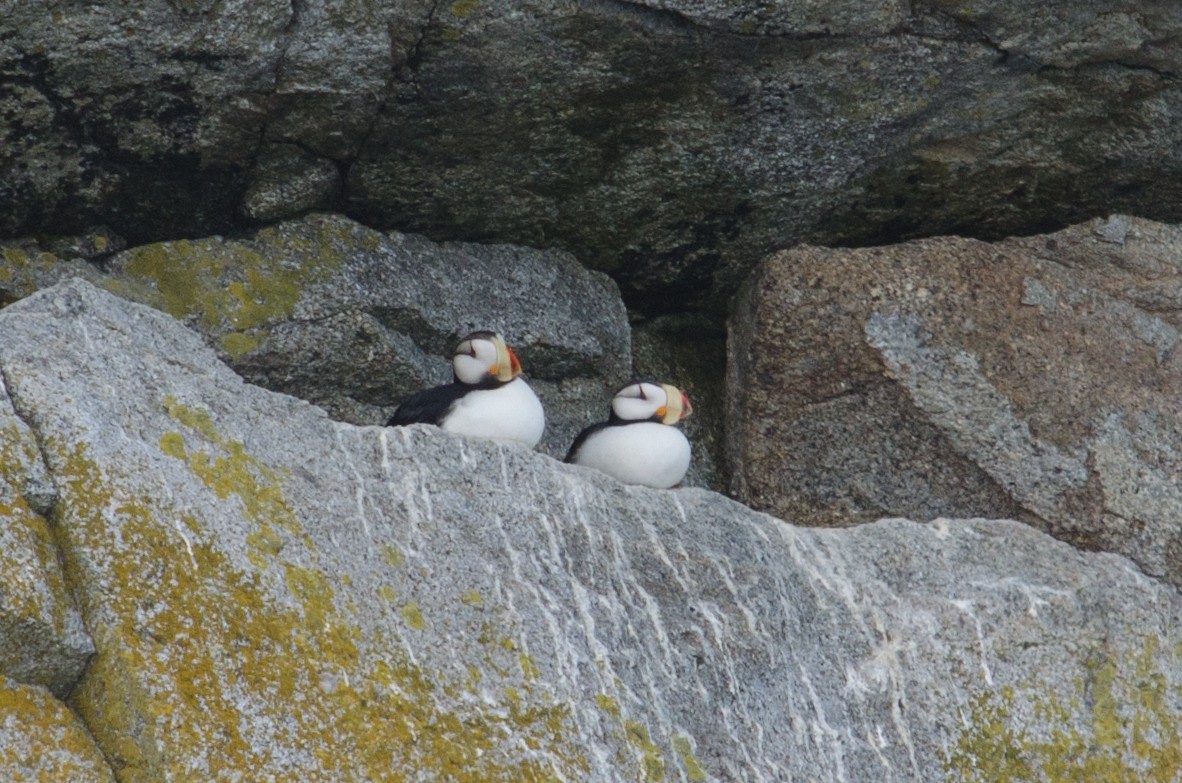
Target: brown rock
1034,378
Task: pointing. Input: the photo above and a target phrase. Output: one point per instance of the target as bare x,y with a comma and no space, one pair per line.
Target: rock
42,641
96,243
287,181
275,594
1034,377
672,143
40,739
354,320
26,267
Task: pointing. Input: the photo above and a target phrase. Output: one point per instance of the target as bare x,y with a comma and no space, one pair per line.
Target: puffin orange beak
508,366
677,406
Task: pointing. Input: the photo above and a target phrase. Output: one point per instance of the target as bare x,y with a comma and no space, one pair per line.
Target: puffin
487,397
640,443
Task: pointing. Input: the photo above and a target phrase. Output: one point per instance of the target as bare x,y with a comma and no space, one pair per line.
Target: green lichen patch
653,766
202,675
685,751
1131,730
18,453
235,290
312,589
529,668
21,269
392,556
413,616
608,704
654,763
463,8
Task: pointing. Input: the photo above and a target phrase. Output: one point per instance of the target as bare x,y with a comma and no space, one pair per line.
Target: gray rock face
275,594
670,142
42,641
1035,377
355,320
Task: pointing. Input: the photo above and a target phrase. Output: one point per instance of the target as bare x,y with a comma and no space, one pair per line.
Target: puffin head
483,356
645,401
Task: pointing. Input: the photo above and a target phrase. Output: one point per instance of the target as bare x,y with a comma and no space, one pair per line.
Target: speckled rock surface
42,641
671,142
1036,377
354,320
280,596
41,740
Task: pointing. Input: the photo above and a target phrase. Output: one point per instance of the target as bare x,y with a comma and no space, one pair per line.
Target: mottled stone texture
277,596
672,142
41,741
1034,377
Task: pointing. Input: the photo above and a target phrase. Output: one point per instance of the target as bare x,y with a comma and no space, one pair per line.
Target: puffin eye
640,392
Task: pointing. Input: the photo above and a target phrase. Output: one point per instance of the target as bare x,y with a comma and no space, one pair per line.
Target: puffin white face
484,355
644,401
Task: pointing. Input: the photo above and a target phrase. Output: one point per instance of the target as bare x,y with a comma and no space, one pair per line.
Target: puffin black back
430,406
573,451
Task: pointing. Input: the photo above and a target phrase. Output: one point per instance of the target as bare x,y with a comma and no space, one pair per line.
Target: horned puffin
488,398
639,443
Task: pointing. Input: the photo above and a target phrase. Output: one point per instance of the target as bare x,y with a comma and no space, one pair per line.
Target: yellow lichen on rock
232,472
1133,729
38,626
654,763
28,549
204,671
41,740
237,290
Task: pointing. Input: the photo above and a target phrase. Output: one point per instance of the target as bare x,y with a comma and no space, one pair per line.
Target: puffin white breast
645,453
508,412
